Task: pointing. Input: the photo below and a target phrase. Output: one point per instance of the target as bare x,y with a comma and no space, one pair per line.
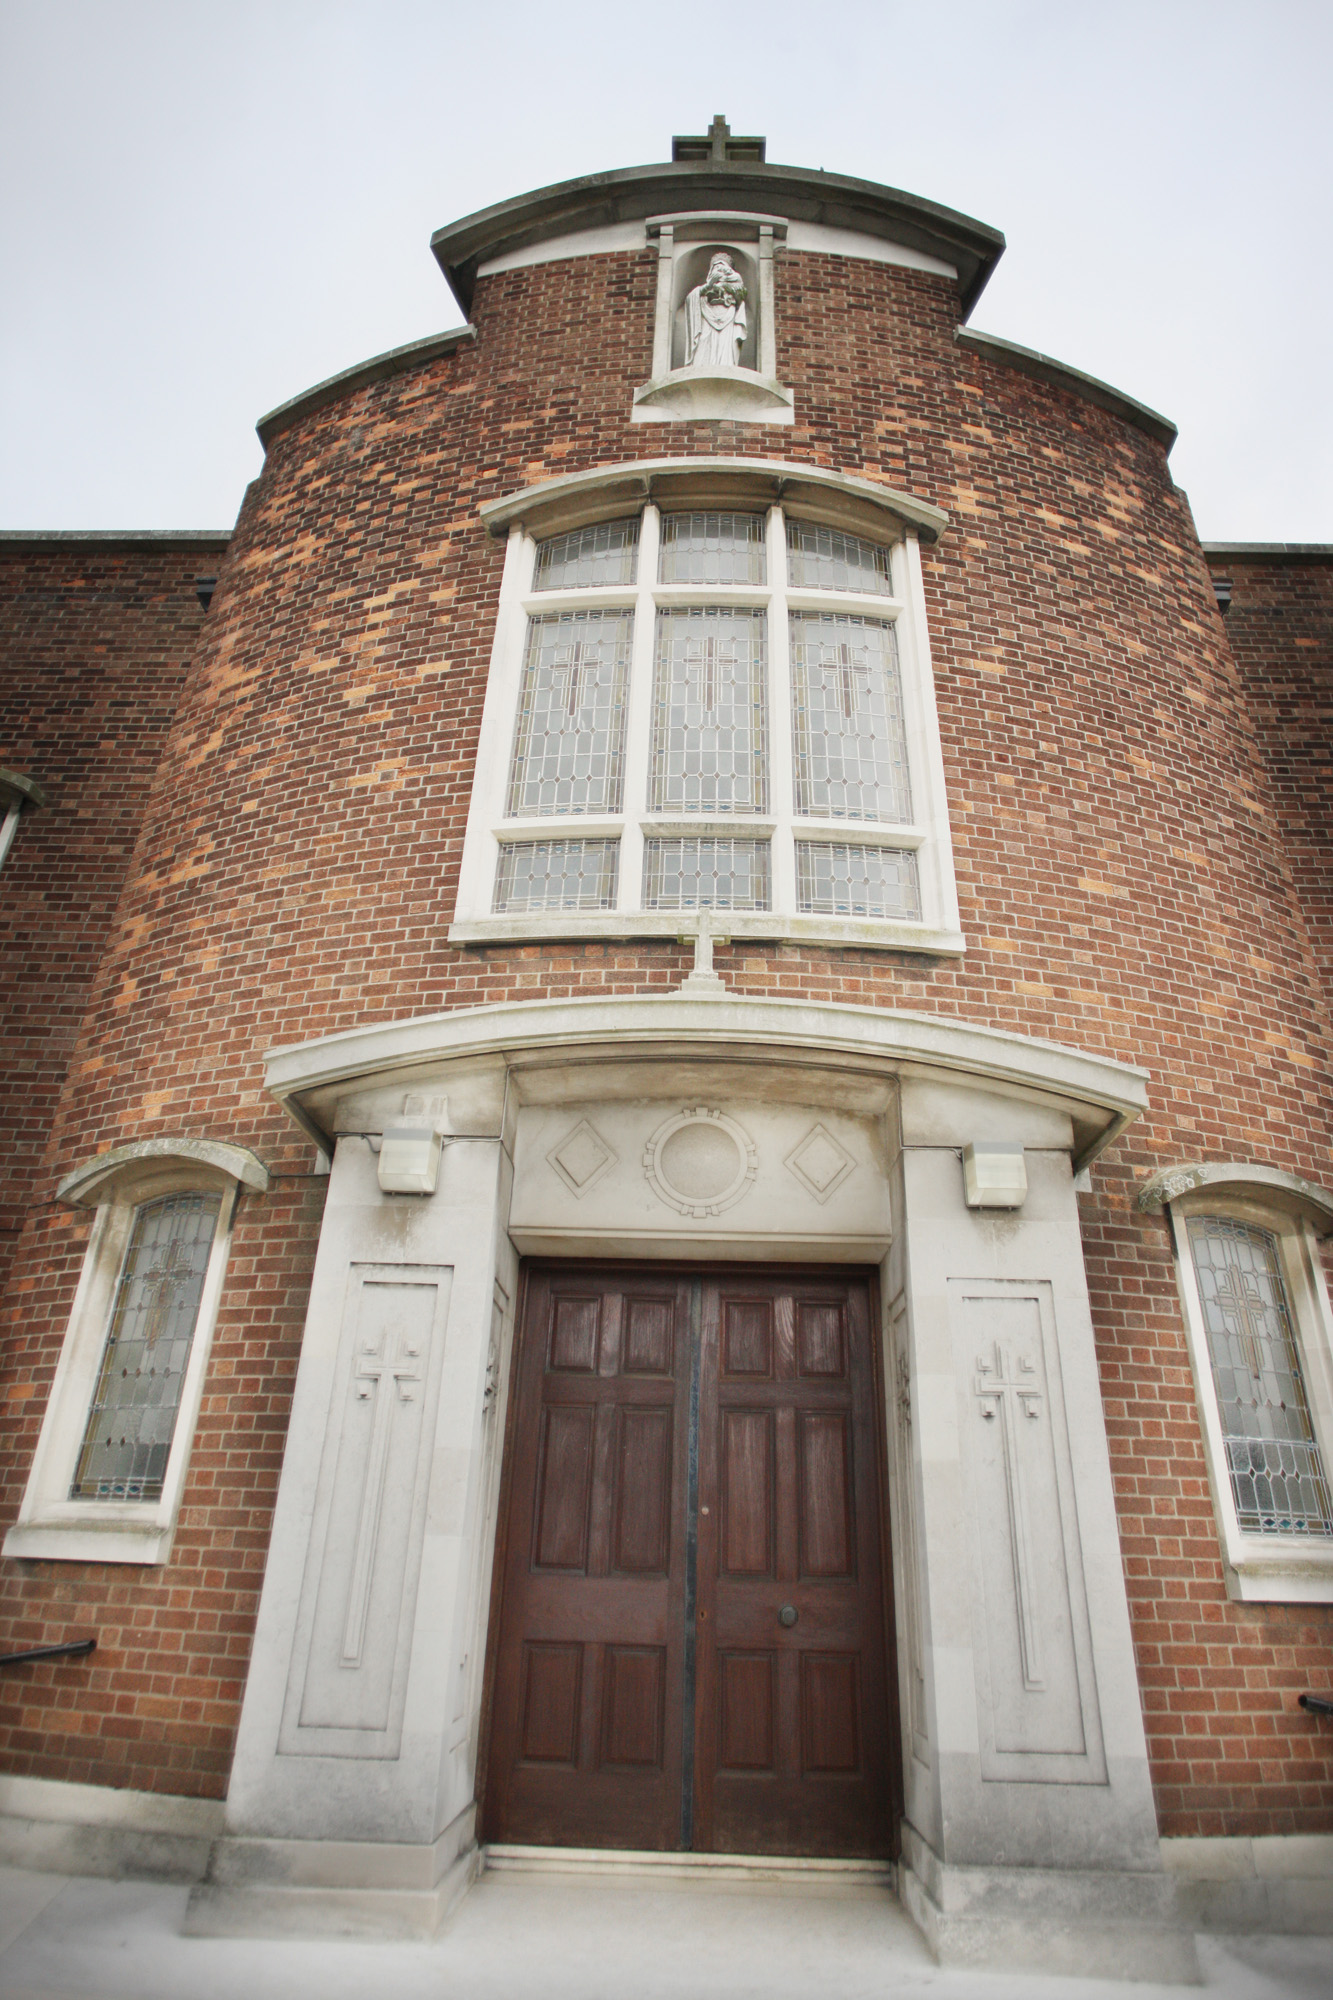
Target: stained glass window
827,559
710,731
712,549
1277,1475
557,875
699,872
847,724
568,755
838,878
153,1315
606,553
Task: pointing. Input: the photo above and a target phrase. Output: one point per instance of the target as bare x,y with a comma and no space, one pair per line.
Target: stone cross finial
719,145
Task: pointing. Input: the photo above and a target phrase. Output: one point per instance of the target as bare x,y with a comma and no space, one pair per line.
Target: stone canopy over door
691,1640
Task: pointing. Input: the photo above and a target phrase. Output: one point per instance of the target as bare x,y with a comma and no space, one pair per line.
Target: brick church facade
713,815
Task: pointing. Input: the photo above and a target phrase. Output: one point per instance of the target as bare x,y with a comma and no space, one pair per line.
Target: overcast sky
208,207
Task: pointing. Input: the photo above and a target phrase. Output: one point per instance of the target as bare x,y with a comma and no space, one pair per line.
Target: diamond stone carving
581,1158
820,1163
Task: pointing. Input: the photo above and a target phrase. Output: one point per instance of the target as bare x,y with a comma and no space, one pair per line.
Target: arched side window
1261,1343
711,688
107,1475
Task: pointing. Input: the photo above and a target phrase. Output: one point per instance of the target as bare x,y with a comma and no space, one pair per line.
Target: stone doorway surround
546,1128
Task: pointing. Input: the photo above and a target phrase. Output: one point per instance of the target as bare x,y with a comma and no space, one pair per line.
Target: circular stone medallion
700,1161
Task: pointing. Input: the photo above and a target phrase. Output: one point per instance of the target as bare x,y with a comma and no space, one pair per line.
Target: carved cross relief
1010,1393
384,1384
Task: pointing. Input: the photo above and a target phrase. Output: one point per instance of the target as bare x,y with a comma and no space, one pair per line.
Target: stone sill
83,1539
865,933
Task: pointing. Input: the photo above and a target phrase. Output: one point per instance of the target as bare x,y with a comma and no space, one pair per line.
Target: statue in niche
715,321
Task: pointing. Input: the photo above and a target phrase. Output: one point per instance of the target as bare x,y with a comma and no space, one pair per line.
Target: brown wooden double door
691,1648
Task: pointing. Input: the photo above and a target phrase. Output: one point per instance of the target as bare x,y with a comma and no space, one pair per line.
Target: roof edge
379,368
109,538
1269,552
1045,368
628,194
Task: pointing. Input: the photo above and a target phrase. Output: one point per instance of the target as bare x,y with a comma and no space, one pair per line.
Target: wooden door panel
791,1744
824,1496
641,1538
552,1704
586,1729
830,1714
788,1721
633,1706
564,1488
575,1330
747,1491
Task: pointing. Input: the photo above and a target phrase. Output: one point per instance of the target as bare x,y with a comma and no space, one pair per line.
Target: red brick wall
95,638
1123,878
1280,628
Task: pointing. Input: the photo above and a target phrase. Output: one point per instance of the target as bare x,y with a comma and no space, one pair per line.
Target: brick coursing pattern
95,643
1124,882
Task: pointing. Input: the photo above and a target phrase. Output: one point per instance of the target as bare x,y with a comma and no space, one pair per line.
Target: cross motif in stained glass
1277,1473
848,729
569,745
710,711
133,1416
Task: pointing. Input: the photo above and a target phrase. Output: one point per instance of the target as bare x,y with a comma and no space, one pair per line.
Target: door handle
788,1615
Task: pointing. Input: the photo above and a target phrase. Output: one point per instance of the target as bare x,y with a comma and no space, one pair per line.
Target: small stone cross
702,979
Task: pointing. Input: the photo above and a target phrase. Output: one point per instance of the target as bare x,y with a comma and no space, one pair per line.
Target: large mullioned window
710,707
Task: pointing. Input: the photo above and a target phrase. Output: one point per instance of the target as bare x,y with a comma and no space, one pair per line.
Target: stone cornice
1103,1096
632,481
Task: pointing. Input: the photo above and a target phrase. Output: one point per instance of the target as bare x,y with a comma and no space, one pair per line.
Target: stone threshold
620,1864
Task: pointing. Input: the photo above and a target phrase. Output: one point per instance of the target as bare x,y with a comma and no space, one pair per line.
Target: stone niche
683,389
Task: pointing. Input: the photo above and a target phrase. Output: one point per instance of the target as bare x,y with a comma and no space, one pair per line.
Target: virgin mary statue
715,319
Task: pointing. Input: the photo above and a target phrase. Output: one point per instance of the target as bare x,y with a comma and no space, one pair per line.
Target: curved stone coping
638,479
379,368
1242,1177
1109,1094
18,790
1061,376
632,194
88,1183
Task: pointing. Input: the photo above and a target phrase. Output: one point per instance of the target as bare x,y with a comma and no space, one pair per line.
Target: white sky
208,205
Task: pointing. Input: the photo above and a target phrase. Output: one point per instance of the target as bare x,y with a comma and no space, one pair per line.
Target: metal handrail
1316,1704
71,1650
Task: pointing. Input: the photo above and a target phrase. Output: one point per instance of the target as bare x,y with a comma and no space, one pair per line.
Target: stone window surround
50,1525
18,795
1273,1569
840,500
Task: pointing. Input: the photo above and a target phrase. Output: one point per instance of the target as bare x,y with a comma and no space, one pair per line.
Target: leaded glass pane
153,1315
710,732
837,879
607,553
699,872
847,724
557,875
826,559
1277,1475
569,751
712,548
